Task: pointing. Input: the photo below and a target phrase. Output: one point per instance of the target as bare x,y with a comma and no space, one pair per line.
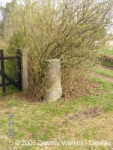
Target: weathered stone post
53,89
24,70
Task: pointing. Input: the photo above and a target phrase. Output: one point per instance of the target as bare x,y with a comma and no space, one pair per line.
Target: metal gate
4,76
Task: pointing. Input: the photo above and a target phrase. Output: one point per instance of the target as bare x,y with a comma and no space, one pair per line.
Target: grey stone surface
53,89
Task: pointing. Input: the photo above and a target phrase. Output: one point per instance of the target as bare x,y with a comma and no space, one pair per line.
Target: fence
5,77
53,75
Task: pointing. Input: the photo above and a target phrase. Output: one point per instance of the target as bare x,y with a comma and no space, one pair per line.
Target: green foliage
16,42
104,71
11,69
1,29
106,63
10,6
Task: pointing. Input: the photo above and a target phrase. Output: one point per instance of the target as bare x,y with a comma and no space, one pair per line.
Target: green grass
107,63
108,51
9,90
64,120
104,71
83,119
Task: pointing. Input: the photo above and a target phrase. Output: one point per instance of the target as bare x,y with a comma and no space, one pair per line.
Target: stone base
53,94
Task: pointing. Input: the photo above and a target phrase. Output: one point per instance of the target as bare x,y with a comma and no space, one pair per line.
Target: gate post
2,71
19,61
53,89
24,69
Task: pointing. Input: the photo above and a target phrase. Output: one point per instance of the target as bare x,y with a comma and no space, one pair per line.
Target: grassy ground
104,71
106,63
108,51
83,123
86,122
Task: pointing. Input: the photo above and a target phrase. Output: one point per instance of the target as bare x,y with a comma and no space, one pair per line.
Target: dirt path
110,79
104,77
106,67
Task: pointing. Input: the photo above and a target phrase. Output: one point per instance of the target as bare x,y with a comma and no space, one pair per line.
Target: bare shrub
66,30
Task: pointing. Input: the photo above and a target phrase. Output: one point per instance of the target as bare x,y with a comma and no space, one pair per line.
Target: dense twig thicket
69,30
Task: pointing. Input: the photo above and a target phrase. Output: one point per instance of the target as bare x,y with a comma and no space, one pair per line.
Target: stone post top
52,60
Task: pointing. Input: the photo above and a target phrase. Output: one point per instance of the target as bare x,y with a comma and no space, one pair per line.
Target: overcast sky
3,2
